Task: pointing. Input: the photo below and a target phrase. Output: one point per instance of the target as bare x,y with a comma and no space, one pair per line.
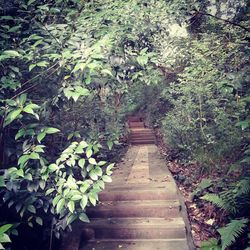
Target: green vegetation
70,72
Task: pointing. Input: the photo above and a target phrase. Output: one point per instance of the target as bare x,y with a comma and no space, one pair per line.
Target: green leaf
68,92
28,177
84,144
56,199
30,2
11,53
76,197
14,29
49,191
244,124
92,198
142,60
101,163
79,65
22,99
42,184
81,163
39,221
82,91
211,244
98,171
83,217
92,161
20,133
5,228
4,238
71,206
23,159
34,156
30,108
93,175
71,218
60,205
51,130
71,162
41,136
106,72
12,116
231,232
110,144
6,18
84,186
79,150
89,152
106,178
32,209
20,172
53,167
101,184
84,202
71,182
42,64
2,182
31,66
109,168
75,96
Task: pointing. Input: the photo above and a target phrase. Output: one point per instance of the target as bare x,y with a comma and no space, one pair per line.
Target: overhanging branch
224,20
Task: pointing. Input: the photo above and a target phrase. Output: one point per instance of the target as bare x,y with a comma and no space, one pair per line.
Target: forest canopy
72,71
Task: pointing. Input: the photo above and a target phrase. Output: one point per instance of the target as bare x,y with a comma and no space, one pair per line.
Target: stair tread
137,222
130,187
146,244
139,203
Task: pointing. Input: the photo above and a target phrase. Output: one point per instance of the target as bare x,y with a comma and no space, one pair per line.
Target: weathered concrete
174,244
140,135
139,210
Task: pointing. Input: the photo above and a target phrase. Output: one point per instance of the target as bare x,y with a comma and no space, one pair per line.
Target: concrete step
136,124
138,142
142,208
142,139
114,186
139,135
135,228
133,244
141,130
146,194
134,119
138,138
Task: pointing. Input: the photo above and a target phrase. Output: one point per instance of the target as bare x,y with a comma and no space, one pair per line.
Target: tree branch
224,20
27,89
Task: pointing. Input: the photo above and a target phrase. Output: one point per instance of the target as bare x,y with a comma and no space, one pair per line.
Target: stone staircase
139,210
138,133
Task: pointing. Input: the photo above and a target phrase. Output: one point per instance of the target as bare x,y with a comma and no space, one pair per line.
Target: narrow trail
140,209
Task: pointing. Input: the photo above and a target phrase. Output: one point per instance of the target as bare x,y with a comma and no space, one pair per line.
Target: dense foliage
72,70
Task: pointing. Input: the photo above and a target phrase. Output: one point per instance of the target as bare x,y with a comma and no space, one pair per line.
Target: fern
215,199
211,244
243,186
205,183
231,232
225,201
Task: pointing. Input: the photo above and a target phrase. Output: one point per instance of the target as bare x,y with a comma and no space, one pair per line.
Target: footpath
140,209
